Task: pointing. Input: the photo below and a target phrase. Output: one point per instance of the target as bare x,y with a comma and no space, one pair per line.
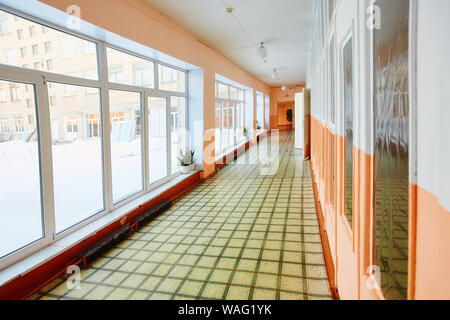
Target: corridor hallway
238,235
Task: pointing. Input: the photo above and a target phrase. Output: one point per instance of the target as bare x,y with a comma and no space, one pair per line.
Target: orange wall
276,96
137,21
351,246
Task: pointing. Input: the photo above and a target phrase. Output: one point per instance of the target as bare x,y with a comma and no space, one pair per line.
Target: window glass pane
124,68
77,154
223,91
126,144
225,129
332,83
231,129
218,127
177,128
348,126
233,93
241,95
259,111
171,79
20,189
391,141
157,135
69,58
267,111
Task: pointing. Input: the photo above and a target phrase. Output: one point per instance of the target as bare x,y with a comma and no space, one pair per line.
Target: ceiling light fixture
283,88
262,51
274,74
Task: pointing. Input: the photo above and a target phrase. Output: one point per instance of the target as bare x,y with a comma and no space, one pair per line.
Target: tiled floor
237,236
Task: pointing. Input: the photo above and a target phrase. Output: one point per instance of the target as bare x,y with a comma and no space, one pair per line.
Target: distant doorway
286,116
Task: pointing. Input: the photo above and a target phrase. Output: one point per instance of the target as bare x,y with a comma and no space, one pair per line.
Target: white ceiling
284,25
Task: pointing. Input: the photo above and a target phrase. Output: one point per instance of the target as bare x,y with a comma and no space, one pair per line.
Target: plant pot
187,169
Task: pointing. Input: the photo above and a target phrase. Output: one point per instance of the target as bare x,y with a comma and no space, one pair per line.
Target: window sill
42,256
230,150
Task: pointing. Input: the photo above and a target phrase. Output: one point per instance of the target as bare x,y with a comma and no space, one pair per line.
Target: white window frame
227,102
40,80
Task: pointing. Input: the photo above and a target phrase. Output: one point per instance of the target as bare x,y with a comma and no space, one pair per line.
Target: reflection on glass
171,79
77,154
157,135
348,127
124,68
64,53
391,113
20,189
177,129
332,84
126,154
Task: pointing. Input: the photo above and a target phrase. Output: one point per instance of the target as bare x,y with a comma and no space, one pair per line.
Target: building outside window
66,47
2,94
10,57
19,124
48,47
20,34
15,94
4,125
4,26
35,50
93,125
71,124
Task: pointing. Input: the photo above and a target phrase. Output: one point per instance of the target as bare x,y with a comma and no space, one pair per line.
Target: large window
105,141
229,117
20,177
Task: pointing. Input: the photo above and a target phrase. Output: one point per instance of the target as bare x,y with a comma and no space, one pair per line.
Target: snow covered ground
78,184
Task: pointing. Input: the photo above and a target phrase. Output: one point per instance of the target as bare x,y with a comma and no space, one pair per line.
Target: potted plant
245,133
186,161
258,127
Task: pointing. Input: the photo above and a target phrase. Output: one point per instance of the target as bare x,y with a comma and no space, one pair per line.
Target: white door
299,120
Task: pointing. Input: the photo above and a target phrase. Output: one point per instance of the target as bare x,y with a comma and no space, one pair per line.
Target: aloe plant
186,158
